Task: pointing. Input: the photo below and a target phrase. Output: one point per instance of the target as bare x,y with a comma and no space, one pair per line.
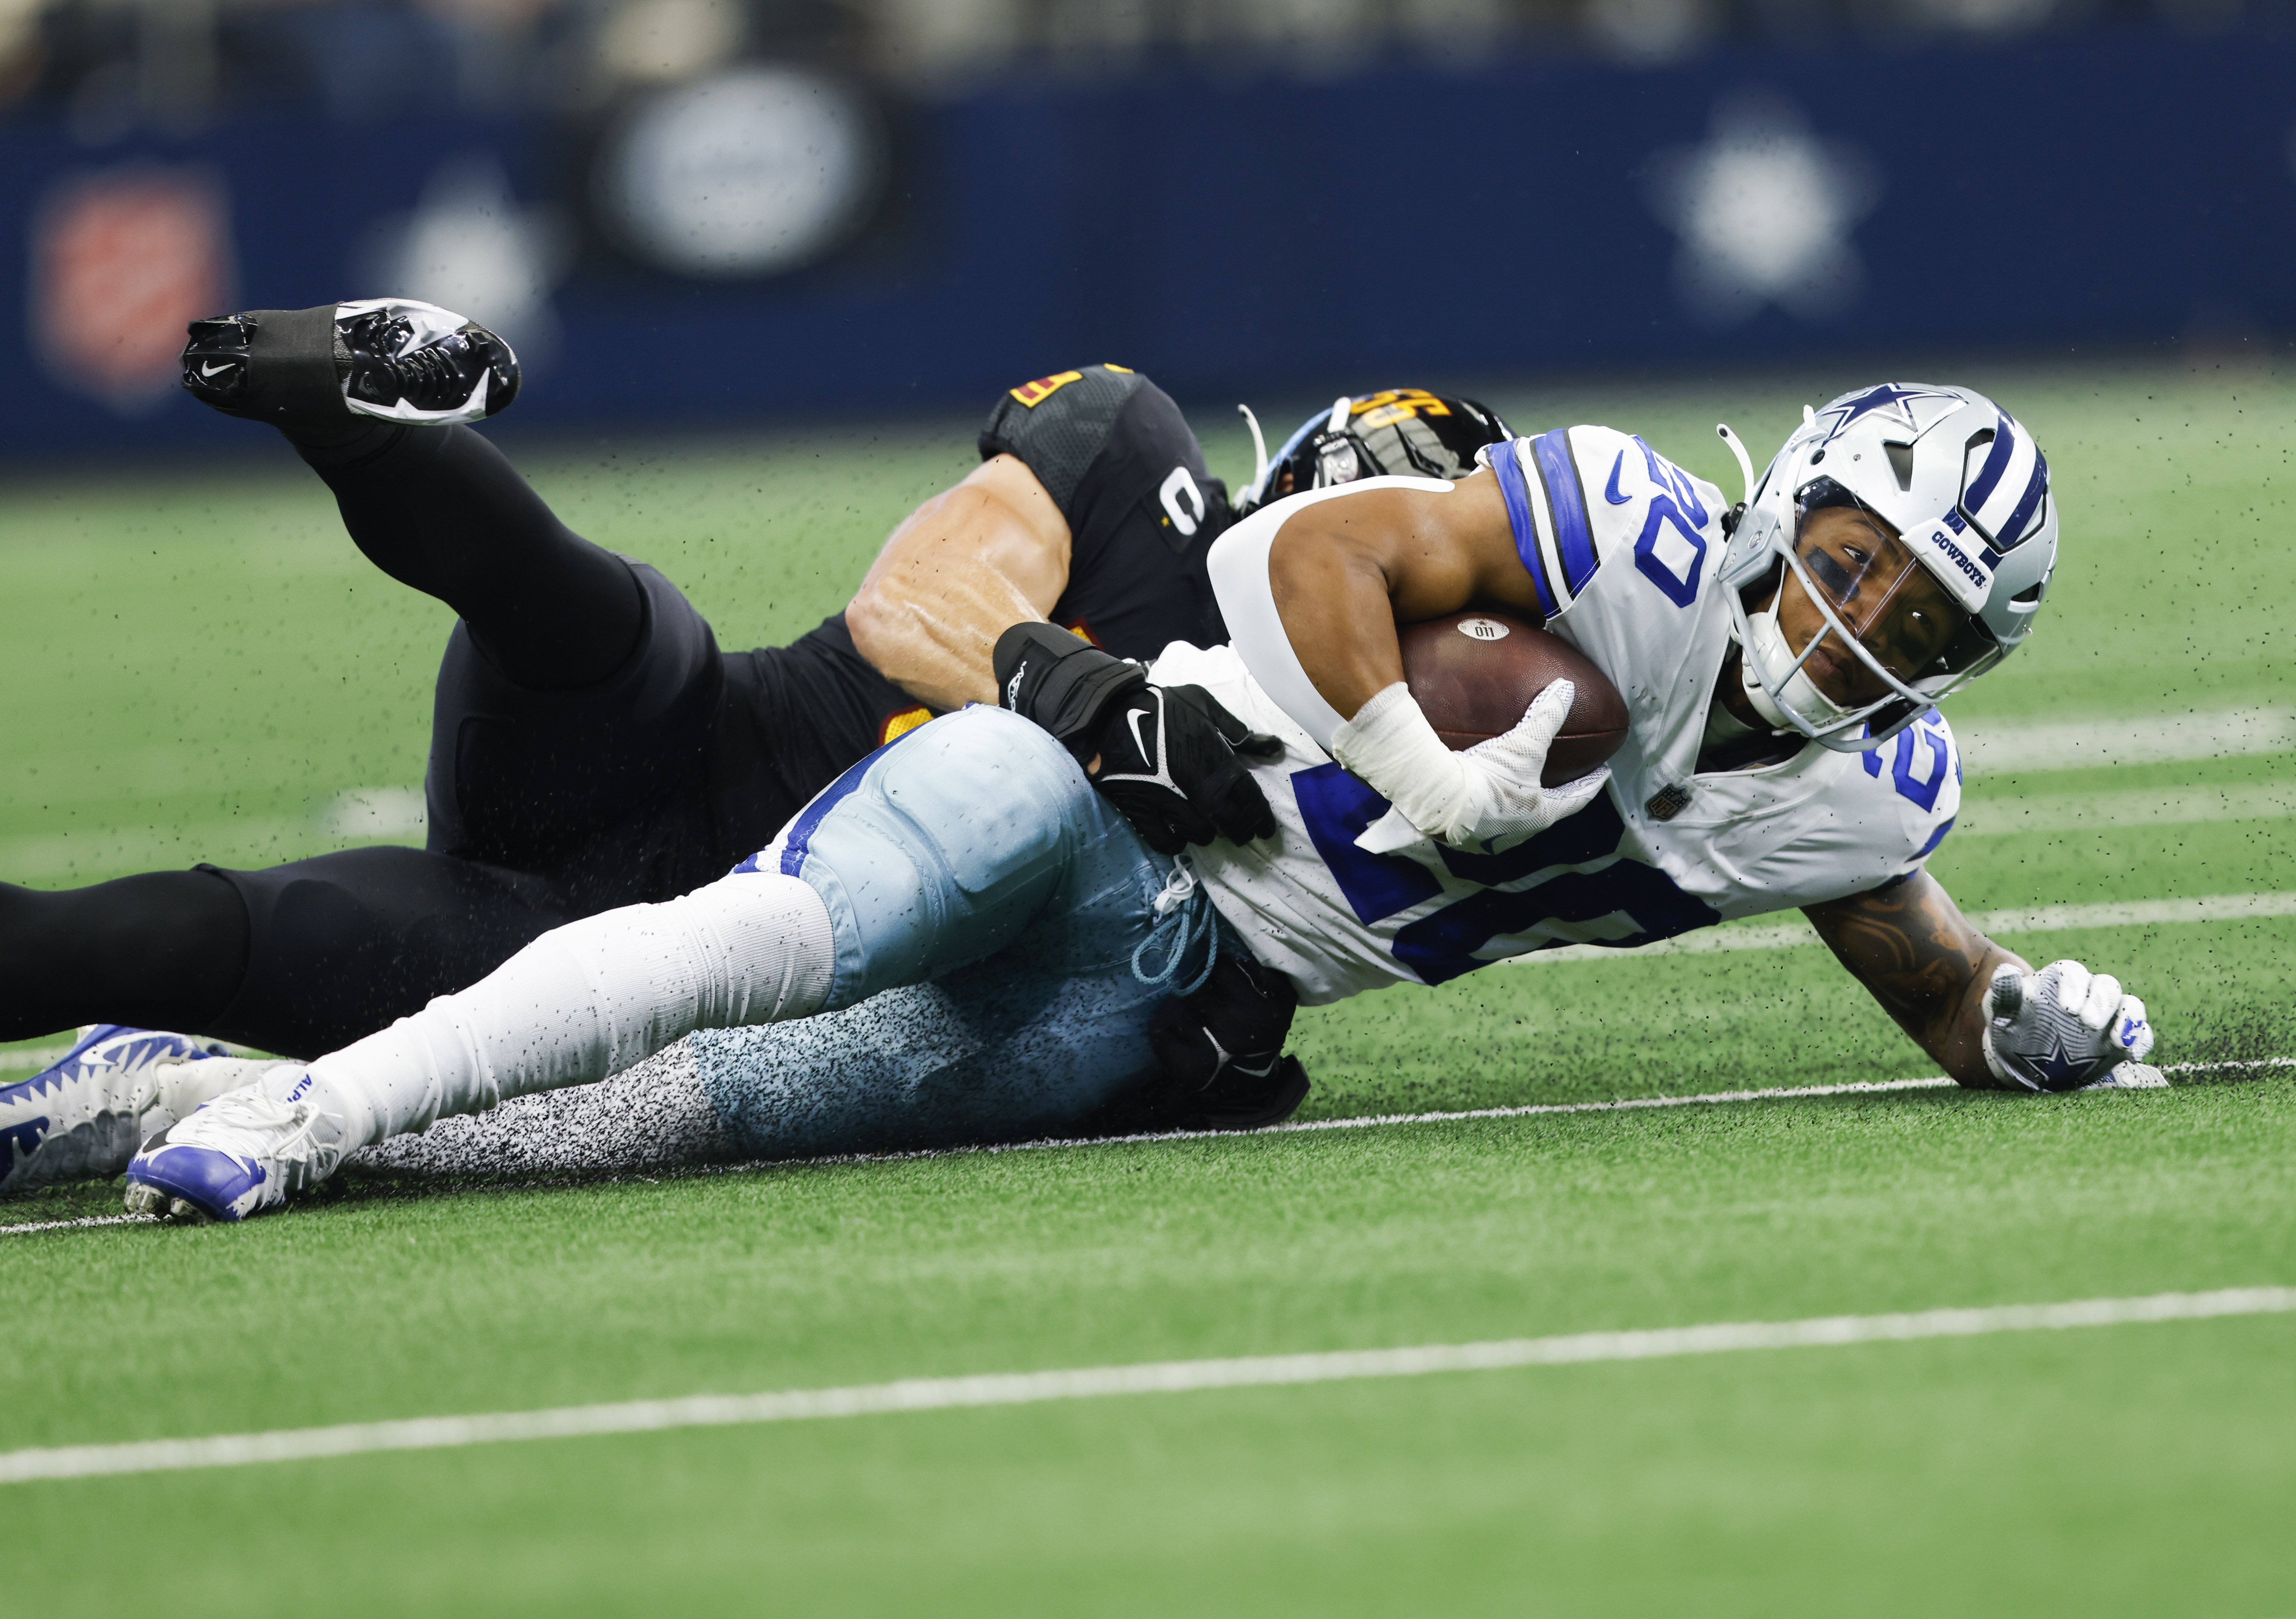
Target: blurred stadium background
758,209
766,261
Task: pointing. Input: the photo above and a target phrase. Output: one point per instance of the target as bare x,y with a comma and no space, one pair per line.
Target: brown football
1475,672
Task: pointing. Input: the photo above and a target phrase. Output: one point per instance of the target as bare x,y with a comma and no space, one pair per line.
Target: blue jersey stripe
1515,490
1936,837
1574,541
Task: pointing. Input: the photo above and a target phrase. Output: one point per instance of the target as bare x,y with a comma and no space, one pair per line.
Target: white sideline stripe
1101,1382
1864,1087
2007,747
73,1225
2043,919
32,1059
1935,1082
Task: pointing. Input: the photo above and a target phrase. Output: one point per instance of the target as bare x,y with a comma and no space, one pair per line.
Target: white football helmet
1967,490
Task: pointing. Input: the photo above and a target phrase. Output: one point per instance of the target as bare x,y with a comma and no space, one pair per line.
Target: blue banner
2101,189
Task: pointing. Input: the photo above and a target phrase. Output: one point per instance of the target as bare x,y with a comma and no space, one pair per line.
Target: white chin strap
1766,646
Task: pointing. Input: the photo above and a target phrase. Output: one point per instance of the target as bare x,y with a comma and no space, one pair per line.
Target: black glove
1220,1052
1222,1049
1171,758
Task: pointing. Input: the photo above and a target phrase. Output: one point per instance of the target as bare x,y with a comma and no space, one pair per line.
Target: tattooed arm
1911,946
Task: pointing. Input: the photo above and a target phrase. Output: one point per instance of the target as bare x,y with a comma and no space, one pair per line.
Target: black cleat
386,359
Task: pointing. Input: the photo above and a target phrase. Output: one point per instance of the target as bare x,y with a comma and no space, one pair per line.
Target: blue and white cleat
84,1114
241,1153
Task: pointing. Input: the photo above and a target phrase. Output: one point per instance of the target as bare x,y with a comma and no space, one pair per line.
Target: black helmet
1404,431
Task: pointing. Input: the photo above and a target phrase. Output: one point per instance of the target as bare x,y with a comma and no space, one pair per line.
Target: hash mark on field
1101,1382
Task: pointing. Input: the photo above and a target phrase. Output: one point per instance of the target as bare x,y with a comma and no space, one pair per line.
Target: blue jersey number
1673,515
1907,750
1441,946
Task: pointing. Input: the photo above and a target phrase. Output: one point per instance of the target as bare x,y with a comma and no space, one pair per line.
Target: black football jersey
1120,461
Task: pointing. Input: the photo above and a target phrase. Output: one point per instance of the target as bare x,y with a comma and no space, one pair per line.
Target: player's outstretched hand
1489,794
2062,1028
1170,758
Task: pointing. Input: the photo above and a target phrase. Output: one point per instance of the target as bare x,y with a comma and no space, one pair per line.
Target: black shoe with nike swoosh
322,370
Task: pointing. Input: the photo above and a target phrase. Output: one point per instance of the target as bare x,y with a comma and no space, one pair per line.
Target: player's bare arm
1346,571
1321,612
1917,954
961,569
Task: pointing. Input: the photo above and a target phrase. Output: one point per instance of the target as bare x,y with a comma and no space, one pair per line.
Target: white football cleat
84,1114
241,1153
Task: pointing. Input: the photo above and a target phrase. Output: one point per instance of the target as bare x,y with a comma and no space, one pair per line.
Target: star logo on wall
1764,207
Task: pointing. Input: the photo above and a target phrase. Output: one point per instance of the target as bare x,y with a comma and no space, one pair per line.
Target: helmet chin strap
1767,643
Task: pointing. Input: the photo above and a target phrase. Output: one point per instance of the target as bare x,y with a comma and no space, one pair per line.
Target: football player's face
1892,604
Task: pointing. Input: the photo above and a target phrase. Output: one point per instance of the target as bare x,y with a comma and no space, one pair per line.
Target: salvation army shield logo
122,260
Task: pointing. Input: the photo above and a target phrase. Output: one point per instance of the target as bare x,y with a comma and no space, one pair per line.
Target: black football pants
583,755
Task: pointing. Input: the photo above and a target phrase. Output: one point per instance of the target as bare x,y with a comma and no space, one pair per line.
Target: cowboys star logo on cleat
388,359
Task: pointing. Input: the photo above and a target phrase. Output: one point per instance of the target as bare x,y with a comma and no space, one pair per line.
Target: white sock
591,998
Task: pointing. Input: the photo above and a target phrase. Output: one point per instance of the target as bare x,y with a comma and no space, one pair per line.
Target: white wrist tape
594,997
1390,745
1238,567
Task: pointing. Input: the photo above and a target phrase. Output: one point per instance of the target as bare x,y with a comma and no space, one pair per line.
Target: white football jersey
1624,548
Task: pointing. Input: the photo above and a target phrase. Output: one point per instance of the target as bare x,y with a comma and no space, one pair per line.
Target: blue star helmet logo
1889,396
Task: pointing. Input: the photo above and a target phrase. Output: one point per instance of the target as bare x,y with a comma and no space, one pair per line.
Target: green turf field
201,667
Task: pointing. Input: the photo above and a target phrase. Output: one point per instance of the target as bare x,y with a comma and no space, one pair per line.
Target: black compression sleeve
166,949
442,509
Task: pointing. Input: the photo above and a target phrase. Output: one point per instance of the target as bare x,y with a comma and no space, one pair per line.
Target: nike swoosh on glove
1177,764
1171,757
2062,1028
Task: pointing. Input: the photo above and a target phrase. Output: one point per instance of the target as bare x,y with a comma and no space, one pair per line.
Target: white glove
1489,794
2062,1028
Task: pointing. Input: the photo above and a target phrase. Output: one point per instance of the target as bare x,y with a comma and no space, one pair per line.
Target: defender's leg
298,959
372,393
165,950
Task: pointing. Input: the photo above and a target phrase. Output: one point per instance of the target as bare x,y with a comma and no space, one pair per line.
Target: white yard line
1102,1382
367,815
1875,1087
73,1225
1985,817
1865,1087
2009,747
2040,918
